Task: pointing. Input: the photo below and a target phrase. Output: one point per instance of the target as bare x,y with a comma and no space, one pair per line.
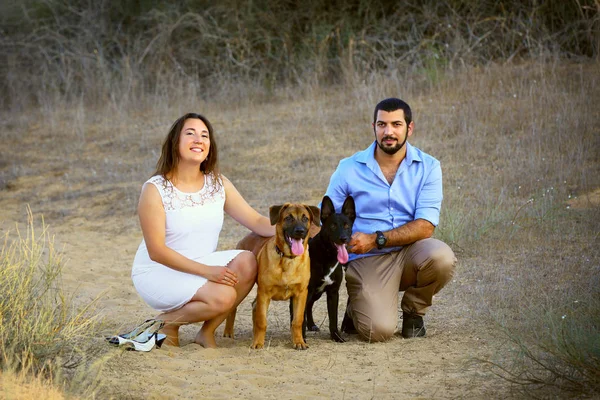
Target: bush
555,351
105,52
42,331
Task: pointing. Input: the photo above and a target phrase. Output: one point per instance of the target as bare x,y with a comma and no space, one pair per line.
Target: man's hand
361,243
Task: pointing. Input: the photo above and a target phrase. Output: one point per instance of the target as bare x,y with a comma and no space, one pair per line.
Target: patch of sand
439,366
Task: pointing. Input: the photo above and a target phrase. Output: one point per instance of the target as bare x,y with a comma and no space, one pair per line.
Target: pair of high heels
142,338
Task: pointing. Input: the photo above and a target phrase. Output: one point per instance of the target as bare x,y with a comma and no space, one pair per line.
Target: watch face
381,240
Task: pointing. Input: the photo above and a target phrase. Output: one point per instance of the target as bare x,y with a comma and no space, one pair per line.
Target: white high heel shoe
140,345
142,338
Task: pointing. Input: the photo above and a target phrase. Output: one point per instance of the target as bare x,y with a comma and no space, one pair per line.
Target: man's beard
391,150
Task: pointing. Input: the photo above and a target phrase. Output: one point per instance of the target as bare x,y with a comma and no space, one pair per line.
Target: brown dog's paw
257,346
300,346
229,323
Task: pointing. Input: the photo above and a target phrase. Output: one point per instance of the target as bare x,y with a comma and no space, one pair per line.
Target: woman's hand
222,275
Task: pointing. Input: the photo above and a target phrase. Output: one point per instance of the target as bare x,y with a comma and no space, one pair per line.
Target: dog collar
281,254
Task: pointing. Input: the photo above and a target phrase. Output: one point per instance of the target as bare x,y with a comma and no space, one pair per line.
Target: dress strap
164,186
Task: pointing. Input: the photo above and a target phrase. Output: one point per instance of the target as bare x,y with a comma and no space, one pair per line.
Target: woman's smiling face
194,141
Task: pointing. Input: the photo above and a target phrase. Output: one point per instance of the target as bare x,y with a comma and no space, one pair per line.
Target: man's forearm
409,233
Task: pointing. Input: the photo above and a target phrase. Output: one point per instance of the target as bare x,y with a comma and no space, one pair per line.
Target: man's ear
411,128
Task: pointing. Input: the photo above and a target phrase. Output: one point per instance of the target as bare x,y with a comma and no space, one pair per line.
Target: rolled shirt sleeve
429,200
415,193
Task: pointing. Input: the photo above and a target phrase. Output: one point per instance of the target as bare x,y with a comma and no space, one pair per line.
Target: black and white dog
328,253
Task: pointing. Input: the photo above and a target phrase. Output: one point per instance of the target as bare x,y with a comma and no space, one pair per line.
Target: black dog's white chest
327,278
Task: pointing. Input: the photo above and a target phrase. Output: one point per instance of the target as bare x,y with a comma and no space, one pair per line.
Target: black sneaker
348,324
412,326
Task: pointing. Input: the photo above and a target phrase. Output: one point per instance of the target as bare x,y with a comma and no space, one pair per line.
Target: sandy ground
435,367
94,224
98,255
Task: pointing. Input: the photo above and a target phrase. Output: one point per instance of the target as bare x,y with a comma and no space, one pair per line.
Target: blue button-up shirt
416,192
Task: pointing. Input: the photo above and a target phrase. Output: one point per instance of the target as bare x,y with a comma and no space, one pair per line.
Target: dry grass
23,387
103,53
43,331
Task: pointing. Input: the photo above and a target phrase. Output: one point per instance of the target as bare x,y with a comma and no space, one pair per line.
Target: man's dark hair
393,104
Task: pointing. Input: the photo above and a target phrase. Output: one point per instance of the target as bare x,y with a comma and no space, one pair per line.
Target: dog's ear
327,208
348,208
315,212
274,212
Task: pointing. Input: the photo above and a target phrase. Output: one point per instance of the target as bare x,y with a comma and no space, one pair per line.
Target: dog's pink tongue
297,248
342,253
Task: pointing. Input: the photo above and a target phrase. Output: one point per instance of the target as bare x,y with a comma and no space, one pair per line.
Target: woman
177,269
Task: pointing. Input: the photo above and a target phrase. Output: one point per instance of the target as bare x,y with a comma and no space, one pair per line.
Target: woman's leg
244,265
210,300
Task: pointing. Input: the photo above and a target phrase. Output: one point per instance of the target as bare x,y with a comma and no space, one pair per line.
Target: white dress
193,224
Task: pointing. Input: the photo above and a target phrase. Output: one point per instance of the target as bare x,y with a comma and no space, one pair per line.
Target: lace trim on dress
173,199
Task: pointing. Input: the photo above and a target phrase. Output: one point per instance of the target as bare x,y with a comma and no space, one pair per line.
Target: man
397,189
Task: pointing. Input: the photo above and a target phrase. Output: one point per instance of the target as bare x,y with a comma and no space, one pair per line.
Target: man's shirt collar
367,156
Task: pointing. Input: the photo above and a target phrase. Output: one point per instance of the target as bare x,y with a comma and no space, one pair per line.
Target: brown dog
283,269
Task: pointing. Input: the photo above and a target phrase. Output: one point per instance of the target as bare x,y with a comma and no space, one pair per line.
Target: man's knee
375,331
442,262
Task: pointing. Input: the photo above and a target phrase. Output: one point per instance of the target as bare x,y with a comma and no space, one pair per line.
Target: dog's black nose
300,231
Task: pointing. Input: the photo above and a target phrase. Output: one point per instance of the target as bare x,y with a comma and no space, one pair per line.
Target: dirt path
88,201
438,367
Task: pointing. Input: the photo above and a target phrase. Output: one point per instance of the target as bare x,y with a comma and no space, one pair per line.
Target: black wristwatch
380,241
